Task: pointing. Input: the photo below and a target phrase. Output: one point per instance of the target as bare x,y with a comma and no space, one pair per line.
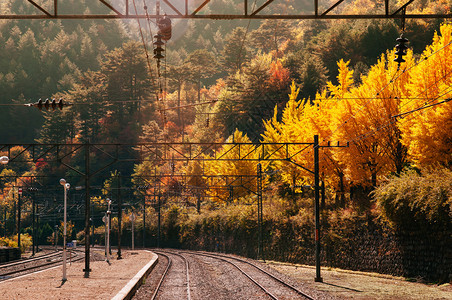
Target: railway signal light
47,104
400,49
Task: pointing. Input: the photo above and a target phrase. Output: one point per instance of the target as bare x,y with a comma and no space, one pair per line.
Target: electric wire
239,63
392,120
147,54
387,85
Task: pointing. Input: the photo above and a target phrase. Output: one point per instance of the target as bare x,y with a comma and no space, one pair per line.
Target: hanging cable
157,55
387,85
239,63
163,114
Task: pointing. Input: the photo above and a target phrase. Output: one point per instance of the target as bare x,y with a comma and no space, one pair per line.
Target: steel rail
22,261
225,257
160,252
267,273
154,296
41,266
242,271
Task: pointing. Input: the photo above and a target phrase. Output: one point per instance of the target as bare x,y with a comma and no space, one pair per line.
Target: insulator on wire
158,40
164,25
400,49
54,104
158,47
47,104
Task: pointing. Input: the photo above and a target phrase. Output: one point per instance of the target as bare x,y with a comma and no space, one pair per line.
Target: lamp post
132,219
108,230
66,186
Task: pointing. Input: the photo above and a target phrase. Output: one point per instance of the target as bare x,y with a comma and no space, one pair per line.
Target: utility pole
19,193
132,219
37,226
33,238
119,215
87,212
4,222
66,186
260,248
318,278
158,219
144,219
107,244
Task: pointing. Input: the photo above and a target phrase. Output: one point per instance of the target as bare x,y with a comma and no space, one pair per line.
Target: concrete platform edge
130,288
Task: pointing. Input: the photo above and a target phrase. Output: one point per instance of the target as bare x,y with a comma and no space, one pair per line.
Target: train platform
106,281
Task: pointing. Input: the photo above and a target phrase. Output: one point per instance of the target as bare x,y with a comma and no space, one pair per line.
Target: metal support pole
64,234
18,221
132,219
198,204
107,244
87,212
14,214
119,216
158,220
33,238
104,218
318,278
4,222
144,221
56,237
260,249
92,226
37,226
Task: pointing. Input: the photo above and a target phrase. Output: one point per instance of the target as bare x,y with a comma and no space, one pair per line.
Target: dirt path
359,285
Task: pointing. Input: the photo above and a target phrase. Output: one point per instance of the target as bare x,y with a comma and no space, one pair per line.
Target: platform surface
105,280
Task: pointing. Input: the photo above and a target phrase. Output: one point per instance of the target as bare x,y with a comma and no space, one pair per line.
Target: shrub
412,200
25,242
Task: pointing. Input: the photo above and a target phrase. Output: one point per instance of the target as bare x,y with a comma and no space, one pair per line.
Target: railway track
27,266
164,277
231,260
217,276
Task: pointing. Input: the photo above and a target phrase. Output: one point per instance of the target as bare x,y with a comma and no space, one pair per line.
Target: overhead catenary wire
158,99
219,100
393,119
239,57
387,85
390,121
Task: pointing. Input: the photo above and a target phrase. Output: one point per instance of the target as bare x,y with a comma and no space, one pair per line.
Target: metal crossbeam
192,10
164,152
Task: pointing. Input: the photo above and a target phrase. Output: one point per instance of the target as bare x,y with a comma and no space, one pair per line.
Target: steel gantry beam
206,9
171,152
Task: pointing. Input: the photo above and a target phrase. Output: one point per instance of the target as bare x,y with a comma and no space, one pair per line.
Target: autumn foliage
366,116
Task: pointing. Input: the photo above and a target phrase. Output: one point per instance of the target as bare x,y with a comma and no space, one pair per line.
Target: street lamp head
4,160
67,186
62,181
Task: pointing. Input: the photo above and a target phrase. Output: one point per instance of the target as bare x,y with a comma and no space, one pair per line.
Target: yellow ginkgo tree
363,118
427,130
235,164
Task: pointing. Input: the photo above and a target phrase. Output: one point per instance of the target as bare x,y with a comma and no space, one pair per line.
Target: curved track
228,259
165,273
27,266
228,283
